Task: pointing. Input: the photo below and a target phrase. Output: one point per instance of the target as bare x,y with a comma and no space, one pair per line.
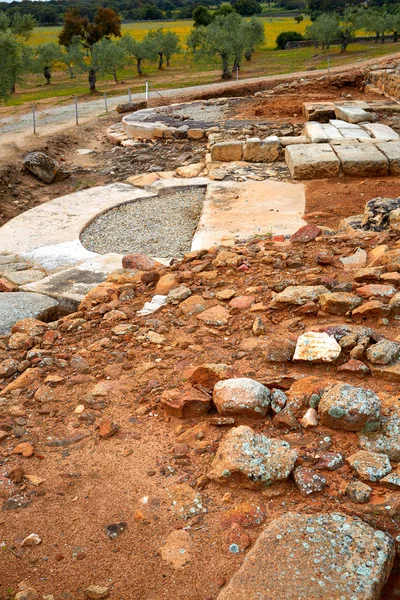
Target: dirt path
65,115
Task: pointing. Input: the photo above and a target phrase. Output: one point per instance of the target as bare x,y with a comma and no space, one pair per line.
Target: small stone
258,327
25,448
177,549
329,460
96,592
310,419
391,481
242,302
315,346
359,492
355,261
166,283
383,352
241,396
370,466
138,261
31,540
308,481
339,303
226,294
306,234
114,530
297,295
107,428
209,374
178,295
8,367
278,400
279,350
376,290
372,309
216,316
186,403
354,366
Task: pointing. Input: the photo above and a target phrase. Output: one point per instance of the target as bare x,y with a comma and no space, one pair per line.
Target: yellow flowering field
273,27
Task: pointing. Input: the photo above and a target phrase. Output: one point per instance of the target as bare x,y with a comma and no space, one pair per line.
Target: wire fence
37,118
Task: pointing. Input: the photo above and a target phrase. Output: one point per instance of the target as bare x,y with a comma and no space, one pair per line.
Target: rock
139,261
209,374
376,290
242,302
278,400
241,396
329,460
24,448
43,166
377,214
8,368
308,481
227,151
166,283
21,305
262,151
7,286
177,548
359,492
394,305
258,327
354,560
391,481
186,403
31,540
354,366
96,592
192,305
387,372
143,179
178,295
350,408
354,261
251,460
368,274
286,419
26,592
216,316
310,419
372,309
248,515
107,428
383,352
306,234
185,501
312,161
297,295
24,381
370,466
279,350
192,170
339,303
388,441
362,160
225,259
315,346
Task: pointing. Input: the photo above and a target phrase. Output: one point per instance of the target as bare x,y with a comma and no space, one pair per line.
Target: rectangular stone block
315,132
340,124
318,111
362,160
262,151
332,132
227,151
392,152
352,114
380,131
289,140
312,161
355,134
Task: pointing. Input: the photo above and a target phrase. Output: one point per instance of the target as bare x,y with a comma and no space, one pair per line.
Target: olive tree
324,30
45,58
109,57
15,56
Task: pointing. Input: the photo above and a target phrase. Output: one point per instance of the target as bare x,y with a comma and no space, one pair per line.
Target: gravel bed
161,226
201,112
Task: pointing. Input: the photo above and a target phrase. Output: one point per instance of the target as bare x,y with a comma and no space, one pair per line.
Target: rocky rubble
200,411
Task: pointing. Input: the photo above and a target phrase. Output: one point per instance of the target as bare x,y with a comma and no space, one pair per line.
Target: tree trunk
92,80
115,76
248,54
395,36
160,60
168,59
226,73
376,38
343,46
13,88
47,75
139,66
382,38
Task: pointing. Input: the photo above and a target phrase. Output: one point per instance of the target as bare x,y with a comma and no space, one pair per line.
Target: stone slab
22,305
312,161
352,114
340,124
380,131
318,111
355,134
70,286
332,132
236,210
23,277
315,132
392,152
362,160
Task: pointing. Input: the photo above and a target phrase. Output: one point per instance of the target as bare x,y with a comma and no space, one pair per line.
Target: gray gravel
202,112
161,226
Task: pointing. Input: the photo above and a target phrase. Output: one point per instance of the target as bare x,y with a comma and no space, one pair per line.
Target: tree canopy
106,24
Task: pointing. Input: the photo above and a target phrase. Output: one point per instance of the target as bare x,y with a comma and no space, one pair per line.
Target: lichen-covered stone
241,396
297,295
358,492
278,400
308,481
315,346
383,352
350,408
388,440
252,460
316,557
370,466
339,303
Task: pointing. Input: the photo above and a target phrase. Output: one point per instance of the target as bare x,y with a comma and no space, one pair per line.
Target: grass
184,71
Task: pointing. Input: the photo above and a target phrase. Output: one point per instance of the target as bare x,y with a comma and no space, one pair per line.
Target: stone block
380,131
352,114
256,150
392,152
227,151
195,134
315,132
312,161
289,140
362,160
318,111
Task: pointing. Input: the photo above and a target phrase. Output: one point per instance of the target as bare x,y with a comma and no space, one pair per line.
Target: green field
184,71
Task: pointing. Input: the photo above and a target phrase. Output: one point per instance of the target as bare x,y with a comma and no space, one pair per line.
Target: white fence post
105,101
34,118
76,111
147,90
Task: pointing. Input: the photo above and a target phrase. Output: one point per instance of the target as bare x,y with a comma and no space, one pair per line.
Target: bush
288,36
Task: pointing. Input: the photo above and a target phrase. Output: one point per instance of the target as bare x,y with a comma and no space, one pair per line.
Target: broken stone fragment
278,400
339,303
308,481
276,350
315,346
316,556
241,396
359,492
186,403
252,460
388,441
350,408
44,167
96,592
216,316
355,261
209,374
178,294
306,234
383,352
310,419
297,295
31,540
370,466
